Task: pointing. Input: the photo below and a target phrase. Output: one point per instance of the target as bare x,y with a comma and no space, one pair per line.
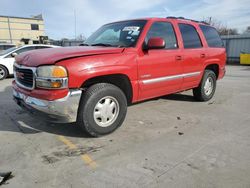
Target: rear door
193,55
159,70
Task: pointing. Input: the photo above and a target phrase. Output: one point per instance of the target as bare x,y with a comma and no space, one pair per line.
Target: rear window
212,37
190,36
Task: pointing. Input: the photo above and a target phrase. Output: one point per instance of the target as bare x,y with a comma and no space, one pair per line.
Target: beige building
19,30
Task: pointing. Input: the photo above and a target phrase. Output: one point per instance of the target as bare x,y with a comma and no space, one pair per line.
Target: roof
30,18
187,19
163,19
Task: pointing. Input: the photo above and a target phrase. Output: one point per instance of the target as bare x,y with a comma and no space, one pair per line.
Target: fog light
50,83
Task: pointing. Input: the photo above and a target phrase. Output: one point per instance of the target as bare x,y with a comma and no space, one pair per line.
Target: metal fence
235,45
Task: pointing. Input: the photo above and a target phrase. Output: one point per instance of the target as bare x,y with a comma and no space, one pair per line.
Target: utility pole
210,20
75,23
10,30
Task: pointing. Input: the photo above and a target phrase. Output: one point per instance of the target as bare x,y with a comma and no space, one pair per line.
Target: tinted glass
121,34
212,36
164,30
190,36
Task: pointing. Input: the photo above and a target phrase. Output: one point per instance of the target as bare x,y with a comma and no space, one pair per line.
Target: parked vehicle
121,63
5,46
7,57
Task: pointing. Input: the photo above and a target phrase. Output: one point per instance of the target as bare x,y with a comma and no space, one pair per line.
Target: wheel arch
122,81
213,67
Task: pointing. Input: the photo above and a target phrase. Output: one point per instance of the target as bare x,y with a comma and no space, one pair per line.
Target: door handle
178,57
203,55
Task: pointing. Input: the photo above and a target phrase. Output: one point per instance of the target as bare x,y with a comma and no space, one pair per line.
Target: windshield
119,34
7,51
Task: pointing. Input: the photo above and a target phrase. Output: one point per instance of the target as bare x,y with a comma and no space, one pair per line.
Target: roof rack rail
183,18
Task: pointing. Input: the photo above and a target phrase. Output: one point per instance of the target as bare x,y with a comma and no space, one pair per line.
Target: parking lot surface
171,141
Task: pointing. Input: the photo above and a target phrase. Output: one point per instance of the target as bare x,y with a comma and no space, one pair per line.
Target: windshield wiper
101,44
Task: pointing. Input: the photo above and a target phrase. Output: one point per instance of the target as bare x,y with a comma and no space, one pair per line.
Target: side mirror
156,43
14,54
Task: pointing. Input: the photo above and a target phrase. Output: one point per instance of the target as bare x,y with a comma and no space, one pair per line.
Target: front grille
24,77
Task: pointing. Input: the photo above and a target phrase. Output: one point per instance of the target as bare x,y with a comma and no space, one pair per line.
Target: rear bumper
63,110
222,72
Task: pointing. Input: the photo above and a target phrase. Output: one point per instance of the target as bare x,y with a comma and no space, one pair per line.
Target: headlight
52,77
52,72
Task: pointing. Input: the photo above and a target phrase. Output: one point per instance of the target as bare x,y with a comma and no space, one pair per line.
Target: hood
51,56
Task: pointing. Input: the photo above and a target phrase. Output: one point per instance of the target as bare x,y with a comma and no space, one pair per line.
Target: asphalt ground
171,141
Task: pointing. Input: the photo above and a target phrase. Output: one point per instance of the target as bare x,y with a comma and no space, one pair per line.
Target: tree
247,30
221,28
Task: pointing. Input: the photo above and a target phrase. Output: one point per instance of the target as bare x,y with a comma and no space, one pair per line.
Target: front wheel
3,72
102,109
205,91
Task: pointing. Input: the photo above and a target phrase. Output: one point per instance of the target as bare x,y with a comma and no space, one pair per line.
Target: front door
159,70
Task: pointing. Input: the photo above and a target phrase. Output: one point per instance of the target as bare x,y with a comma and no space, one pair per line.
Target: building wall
12,29
235,45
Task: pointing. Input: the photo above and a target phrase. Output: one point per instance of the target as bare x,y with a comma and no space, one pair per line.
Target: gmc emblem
20,75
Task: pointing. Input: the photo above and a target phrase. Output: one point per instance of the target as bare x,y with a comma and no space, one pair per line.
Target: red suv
121,63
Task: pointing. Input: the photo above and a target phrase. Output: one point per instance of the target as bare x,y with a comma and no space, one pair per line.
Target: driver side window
164,30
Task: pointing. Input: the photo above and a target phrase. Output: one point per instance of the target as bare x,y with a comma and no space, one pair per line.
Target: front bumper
63,110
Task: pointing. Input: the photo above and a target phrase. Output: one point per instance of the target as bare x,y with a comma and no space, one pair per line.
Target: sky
91,14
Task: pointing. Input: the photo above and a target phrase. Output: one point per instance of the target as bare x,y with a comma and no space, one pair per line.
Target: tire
3,72
103,108
205,92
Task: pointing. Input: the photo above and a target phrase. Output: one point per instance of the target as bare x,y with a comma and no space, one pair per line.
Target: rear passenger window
212,37
190,36
164,30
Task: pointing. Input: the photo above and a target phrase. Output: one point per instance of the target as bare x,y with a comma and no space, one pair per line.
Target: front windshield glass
7,51
119,34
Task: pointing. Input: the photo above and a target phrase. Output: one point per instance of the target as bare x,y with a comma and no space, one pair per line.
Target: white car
7,57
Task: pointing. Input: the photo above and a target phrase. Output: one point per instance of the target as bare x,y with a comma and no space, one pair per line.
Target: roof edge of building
18,17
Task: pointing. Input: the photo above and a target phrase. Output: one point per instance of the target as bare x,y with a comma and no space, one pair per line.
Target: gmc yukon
120,64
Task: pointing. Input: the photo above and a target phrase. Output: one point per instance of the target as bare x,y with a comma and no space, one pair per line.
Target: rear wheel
207,87
3,72
102,109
